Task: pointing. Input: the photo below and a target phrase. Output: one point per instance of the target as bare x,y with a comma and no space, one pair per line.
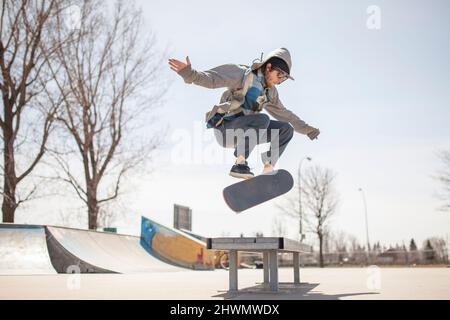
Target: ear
268,67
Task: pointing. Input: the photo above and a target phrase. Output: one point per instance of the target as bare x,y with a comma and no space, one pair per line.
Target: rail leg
233,270
266,267
296,267
273,262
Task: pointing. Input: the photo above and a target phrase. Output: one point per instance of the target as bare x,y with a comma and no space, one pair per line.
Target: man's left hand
313,134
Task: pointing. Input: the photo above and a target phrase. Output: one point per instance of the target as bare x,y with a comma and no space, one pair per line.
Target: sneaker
241,171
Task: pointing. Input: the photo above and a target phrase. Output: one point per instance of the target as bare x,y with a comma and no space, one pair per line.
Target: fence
389,257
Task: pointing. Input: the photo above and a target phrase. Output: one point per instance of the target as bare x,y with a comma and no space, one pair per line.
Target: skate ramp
23,251
65,261
175,247
27,250
102,252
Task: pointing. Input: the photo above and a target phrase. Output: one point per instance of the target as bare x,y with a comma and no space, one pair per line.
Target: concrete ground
321,284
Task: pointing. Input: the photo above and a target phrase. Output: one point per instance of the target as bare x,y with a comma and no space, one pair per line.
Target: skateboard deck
249,193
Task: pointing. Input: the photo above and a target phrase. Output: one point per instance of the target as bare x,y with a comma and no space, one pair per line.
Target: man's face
274,76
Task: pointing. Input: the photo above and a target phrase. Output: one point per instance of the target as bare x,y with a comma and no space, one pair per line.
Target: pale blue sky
380,97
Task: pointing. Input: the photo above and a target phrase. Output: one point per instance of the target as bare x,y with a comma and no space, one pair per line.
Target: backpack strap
236,104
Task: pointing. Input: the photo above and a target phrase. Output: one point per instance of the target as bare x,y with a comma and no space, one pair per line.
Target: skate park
113,111
46,262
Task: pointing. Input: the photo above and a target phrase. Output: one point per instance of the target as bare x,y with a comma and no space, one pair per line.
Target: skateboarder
249,91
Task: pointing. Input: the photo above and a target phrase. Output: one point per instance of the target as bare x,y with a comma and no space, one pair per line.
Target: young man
249,91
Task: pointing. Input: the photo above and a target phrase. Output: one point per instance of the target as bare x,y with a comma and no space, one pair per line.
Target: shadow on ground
286,291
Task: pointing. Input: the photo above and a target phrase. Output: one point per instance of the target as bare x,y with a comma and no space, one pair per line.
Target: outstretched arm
177,65
225,76
277,110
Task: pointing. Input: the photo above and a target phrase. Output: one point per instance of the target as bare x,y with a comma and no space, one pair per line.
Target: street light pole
302,236
367,224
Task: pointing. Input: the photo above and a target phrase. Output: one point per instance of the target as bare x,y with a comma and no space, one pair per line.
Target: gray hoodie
237,78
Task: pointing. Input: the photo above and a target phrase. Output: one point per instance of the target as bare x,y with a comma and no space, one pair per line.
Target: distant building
393,256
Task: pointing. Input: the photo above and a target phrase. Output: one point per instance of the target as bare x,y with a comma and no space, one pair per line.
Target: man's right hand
313,134
177,65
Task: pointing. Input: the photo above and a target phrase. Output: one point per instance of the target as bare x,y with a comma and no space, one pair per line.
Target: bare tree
327,241
428,251
338,244
27,118
320,202
443,177
341,241
440,248
278,227
102,79
289,206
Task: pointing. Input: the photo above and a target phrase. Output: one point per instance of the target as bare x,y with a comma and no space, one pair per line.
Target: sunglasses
282,75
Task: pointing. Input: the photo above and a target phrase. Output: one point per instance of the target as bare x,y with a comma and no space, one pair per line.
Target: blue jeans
245,132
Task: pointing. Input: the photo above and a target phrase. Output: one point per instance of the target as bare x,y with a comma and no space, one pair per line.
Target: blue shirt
254,99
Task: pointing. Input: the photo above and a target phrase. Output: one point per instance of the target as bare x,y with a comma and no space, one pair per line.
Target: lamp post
367,224
302,236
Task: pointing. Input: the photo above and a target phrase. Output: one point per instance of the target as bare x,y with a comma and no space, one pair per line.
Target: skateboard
249,193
